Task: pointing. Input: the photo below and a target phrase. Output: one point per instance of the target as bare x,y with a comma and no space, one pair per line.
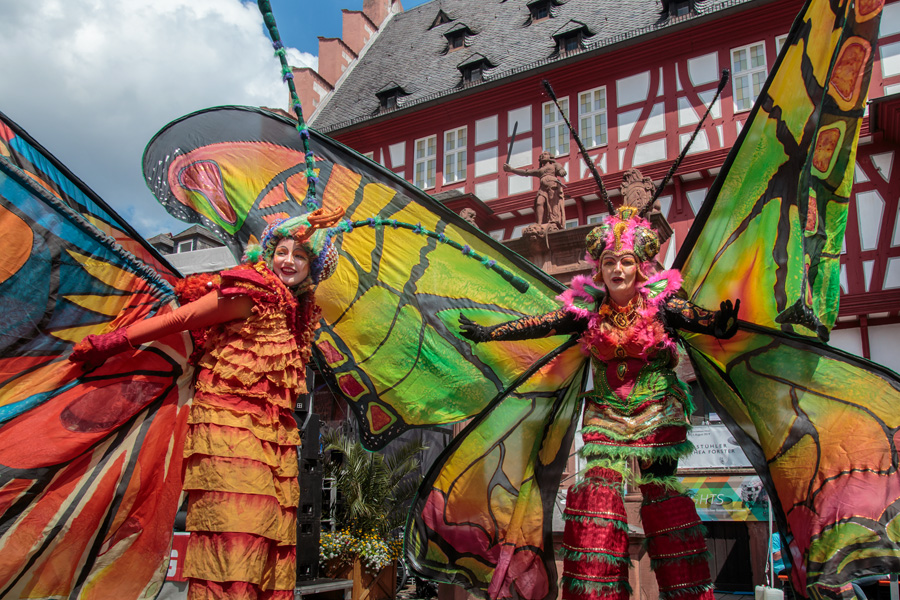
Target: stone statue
637,190
549,200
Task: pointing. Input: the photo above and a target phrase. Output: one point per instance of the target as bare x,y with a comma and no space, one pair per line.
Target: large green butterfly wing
389,340
481,518
776,213
816,423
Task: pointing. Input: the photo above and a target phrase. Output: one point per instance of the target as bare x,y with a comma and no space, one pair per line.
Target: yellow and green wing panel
389,340
772,227
819,425
482,518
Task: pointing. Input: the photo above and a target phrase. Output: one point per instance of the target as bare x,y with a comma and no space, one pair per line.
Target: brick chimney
378,10
336,54
311,88
357,29
334,58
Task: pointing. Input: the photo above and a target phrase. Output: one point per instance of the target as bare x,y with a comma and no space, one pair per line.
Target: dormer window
570,42
389,101
456,37
570,37
474,73
540,9
388,96
473,68
440,19
677,8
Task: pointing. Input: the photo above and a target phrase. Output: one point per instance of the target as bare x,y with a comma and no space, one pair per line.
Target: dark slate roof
412,53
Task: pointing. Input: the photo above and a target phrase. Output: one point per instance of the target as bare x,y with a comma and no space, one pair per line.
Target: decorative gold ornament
622,318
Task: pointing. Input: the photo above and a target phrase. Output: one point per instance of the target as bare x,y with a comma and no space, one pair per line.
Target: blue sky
93,81
299,27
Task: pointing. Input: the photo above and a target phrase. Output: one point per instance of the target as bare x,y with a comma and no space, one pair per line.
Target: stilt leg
677,548
595,541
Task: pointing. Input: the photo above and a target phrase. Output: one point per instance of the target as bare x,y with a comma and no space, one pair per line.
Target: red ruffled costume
638,409
241,448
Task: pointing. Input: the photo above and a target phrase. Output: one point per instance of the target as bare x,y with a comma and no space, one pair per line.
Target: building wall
655,93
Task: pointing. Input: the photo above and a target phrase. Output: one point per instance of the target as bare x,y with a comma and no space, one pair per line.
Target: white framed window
748,73
497,234
571,223
517,231
425,162
592,117
556,134
779,43
455,155
187,246
597,219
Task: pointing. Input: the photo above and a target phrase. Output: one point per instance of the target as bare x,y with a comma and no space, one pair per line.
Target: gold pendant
621,368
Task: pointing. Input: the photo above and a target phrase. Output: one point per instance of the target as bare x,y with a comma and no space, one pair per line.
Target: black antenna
687,146
584,152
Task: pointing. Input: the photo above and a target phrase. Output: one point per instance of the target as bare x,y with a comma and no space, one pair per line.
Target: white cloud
296,58
94,80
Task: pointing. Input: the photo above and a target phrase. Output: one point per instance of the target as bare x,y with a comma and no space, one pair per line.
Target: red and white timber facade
643,98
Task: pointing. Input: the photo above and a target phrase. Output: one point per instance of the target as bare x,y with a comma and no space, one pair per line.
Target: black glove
726,321
471,330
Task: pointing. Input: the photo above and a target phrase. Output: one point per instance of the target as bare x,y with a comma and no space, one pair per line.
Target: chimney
378,10
334,58
358,28
311,88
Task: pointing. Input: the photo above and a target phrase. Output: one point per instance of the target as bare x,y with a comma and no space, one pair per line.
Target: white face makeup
619,276
290,262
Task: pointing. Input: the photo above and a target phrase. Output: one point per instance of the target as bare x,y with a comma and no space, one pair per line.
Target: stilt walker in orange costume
254,327
638,409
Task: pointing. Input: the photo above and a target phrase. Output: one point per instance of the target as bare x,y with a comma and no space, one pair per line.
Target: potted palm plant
374,491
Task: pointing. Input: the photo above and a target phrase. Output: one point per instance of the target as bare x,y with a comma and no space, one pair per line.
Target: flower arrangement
372,550
375,491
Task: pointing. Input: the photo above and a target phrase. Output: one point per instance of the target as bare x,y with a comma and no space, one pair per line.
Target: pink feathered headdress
624,233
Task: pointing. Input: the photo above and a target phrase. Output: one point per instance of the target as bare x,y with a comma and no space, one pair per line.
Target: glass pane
757,56
739,60
758,79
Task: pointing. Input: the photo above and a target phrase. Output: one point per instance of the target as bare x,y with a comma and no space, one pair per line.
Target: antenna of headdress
582,149
684,151
287,76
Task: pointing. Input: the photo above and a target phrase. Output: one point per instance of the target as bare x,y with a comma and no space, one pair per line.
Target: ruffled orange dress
241,448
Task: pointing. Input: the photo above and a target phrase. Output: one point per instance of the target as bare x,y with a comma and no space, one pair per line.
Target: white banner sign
714,448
